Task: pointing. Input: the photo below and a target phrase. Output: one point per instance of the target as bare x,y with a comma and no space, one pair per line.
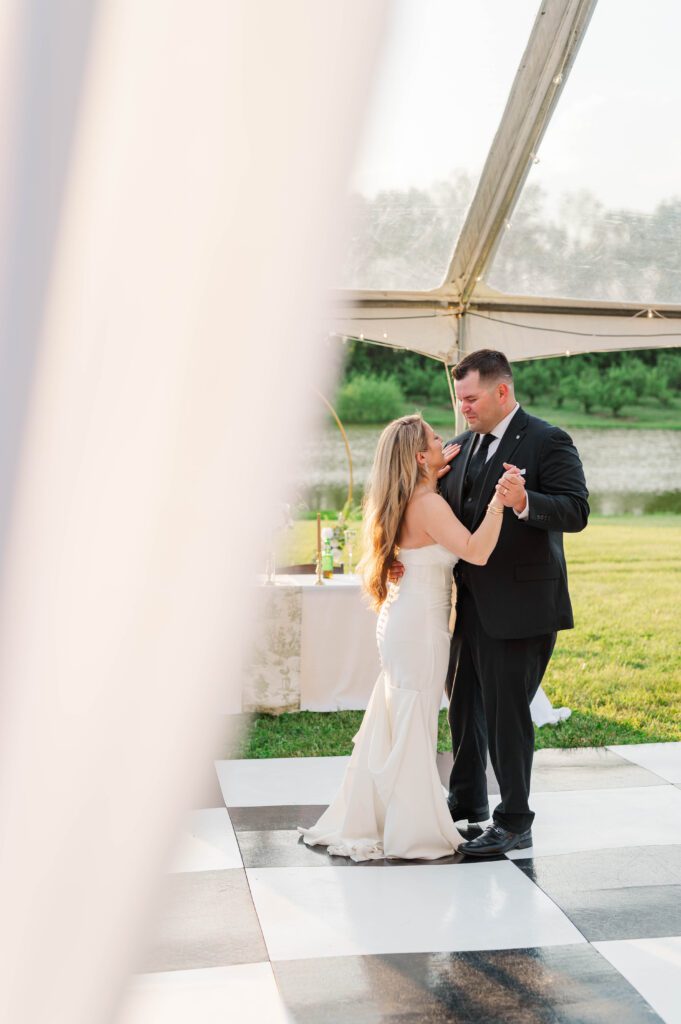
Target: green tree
566,388
365,399
669,361
616,389
638,374
657,386
438,391
587,389
533,380
416,382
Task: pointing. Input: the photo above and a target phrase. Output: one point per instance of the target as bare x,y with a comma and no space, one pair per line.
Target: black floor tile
645,912
630,893
207,920
605,869
283,818
267,819
286,849
558,770
554,985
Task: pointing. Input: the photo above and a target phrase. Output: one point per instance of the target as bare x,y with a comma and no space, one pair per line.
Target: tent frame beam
440,326
525,306
351,306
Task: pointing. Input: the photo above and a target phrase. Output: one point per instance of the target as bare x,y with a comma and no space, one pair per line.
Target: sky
444,76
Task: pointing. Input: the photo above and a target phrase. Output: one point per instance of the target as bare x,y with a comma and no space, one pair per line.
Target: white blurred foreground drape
171,197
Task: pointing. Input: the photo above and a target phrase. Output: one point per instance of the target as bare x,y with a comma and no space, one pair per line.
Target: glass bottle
327,560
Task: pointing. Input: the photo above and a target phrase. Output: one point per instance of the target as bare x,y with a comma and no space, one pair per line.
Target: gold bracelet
495,511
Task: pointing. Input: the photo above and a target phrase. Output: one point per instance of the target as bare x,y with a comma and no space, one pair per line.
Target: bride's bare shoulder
428,503
434,498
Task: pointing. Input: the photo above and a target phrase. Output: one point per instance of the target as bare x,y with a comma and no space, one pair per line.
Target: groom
508,611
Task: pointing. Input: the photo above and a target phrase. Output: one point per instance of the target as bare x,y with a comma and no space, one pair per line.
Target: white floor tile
324,912
211,996
601,819
664,759
653,967
207,843
280,780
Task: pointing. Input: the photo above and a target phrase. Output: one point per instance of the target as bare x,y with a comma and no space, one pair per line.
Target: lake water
627,471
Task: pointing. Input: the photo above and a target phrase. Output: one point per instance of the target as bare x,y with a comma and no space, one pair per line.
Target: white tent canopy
562,228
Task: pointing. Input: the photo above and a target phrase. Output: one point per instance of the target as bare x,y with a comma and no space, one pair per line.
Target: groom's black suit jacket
523,590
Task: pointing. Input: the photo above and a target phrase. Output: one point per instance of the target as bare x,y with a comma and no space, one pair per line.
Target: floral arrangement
340,538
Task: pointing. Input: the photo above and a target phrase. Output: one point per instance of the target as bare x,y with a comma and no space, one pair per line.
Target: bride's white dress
391,802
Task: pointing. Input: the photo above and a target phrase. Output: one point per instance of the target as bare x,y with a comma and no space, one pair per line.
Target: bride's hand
396,571
449,453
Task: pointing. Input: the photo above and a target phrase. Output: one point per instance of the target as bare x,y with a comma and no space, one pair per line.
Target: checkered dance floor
585,927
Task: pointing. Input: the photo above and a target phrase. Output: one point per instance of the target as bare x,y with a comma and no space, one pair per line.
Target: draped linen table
315,648
316,651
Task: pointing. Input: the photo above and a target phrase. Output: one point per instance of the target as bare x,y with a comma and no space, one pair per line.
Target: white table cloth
339,656
316,647
316,651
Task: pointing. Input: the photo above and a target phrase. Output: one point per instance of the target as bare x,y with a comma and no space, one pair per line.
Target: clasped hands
510,490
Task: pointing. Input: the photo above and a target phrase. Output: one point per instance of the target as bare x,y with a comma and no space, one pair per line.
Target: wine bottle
327,560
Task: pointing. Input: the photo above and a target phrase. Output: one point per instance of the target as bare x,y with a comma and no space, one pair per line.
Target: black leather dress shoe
496,840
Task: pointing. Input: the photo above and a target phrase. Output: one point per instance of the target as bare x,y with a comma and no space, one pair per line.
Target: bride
391,802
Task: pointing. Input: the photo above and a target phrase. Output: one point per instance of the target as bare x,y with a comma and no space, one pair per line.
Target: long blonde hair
394,475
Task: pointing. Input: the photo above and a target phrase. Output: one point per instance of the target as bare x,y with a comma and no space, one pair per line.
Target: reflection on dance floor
585,927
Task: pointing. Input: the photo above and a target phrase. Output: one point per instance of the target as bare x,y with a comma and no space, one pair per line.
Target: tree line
574,246
378,382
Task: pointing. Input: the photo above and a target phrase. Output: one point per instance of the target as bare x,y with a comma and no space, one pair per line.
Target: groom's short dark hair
491,365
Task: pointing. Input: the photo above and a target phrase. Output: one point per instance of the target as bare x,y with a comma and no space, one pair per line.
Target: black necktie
477,462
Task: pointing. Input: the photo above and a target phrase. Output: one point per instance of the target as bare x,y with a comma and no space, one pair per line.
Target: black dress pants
490,685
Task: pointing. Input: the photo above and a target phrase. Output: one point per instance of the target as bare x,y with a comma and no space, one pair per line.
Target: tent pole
460,352
451,389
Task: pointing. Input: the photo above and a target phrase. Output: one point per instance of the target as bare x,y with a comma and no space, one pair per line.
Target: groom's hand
449,452
511,488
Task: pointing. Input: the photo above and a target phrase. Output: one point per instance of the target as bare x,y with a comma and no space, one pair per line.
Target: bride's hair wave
394,475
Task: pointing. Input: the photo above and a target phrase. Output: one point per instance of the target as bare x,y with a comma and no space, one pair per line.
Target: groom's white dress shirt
498,432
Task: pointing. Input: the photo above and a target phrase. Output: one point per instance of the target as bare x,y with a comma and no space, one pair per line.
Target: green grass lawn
619,669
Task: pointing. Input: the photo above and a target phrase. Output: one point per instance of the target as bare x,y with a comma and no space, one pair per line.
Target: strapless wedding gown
391,802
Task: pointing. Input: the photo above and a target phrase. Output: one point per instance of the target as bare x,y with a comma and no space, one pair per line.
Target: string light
649,314
565,330
558,79
458,312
